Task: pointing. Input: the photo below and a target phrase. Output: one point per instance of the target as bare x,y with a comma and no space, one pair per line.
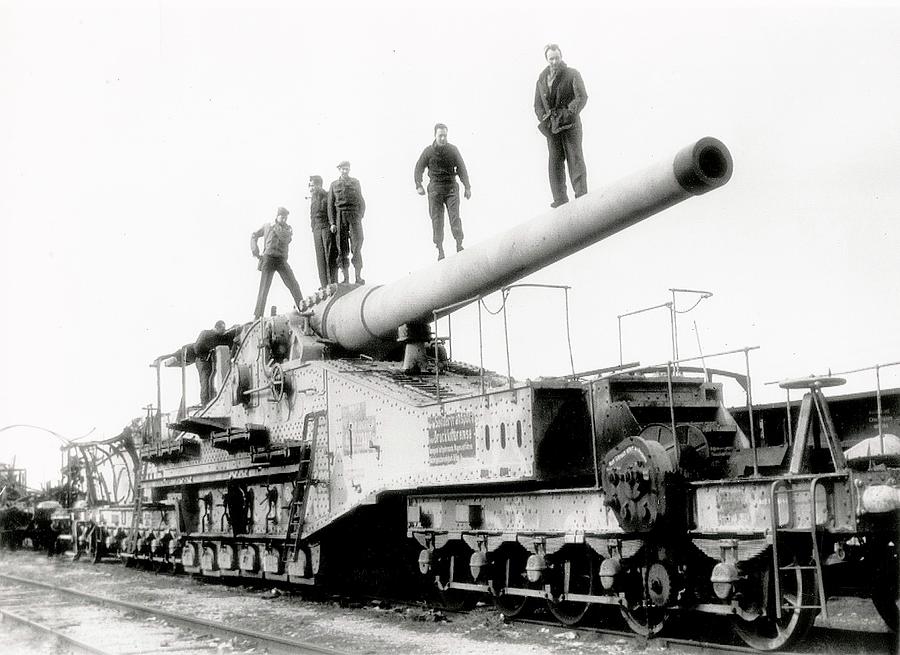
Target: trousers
326,255
565,148
268,267
207,371
438,198
350,238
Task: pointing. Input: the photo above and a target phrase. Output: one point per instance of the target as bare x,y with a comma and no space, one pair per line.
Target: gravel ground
373,627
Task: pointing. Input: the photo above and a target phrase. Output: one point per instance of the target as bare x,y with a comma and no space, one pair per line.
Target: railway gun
341,437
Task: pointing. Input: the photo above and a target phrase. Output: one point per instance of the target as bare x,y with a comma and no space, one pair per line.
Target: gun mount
366,319
295,376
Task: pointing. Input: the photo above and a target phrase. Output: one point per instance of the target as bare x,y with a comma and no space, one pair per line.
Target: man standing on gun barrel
323,232
276,238
559,97
346,208
444,163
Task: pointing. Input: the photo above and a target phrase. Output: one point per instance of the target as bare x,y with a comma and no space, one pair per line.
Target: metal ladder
300,495
780,487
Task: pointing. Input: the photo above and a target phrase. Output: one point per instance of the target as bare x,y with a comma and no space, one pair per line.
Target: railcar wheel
645,620
453,567
457,600
886,590
768,633
888,608
510,570
512,606
95,543
648,591
576,576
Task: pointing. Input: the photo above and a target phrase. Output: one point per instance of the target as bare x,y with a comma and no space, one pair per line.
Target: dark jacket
208,340
345,195
558,107
444,163
276,235
318,209
185,355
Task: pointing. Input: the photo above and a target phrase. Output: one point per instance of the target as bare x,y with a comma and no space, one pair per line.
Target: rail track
713,640
174,633
92,623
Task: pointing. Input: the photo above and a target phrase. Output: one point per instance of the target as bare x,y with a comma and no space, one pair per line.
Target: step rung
794,567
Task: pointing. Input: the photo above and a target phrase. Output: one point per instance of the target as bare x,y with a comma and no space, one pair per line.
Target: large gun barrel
370,315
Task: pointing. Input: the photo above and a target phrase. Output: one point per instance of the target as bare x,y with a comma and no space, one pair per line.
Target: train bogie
653,540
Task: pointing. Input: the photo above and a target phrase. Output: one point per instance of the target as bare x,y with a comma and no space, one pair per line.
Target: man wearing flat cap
346,208
276,238
323,232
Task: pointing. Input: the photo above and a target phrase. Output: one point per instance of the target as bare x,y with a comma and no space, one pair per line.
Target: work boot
459,247
440,252
557,203
357,273
345,275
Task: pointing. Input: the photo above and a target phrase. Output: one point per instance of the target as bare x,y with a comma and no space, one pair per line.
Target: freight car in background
30,518
15,506
87,511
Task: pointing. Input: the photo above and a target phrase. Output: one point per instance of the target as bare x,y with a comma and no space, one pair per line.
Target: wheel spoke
770,633
577,576
509,570
452,568
645,620
885,586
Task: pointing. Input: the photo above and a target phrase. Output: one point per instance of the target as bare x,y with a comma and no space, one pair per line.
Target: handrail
446,311
672,367
246,331
879,411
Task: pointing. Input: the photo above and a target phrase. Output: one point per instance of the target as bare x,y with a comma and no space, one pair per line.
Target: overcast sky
142,143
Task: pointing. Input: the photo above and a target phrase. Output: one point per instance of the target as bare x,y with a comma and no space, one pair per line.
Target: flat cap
343,164
283,212
316,179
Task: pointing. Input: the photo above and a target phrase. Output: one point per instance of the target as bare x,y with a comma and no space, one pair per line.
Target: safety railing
446,312
672,368
877,368
673,311
878,398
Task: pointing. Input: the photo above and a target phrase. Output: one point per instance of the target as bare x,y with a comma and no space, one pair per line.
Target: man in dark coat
202,353
205,353
559,97
276,238
346,208
444,163
323,232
